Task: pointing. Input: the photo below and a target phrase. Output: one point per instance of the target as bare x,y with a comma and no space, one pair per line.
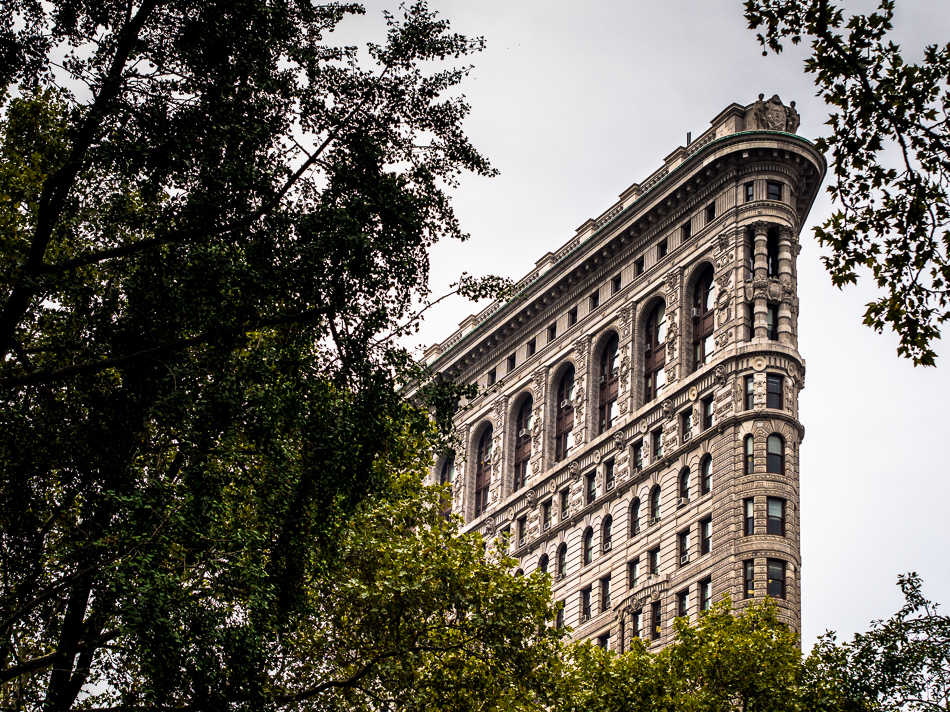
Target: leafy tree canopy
889,144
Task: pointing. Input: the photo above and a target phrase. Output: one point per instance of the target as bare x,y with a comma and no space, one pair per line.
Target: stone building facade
638,436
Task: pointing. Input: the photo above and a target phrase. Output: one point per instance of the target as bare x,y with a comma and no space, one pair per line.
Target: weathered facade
641,439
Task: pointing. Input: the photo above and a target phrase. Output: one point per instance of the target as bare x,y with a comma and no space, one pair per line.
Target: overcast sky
573,102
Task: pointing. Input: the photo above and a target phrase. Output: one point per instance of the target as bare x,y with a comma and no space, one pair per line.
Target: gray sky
574,102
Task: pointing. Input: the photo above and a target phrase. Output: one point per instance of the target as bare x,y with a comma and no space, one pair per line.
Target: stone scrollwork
772,115
625,313
760,288
723,338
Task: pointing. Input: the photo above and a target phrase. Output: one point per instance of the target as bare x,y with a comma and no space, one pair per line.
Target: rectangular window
683,546
774,190
657,445
552,332
771,322
530,348
707,408
512,362
565,504
710,213
609,477
585,604
776,580
522,530
572,317
638,455
705,594
604,641
749,393
605,593
776,518
774,391
686,231
638,623
594,300
749,192
656,625
655,561
638,267
633,573
748,575
547,515
615,284
662,250
686,424
682,603
560,615
491,377
705,536
591,488
748,508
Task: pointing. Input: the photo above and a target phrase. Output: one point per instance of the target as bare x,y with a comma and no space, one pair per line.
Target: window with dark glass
633,573
608,535
588,546
594,300
708,412
705,536
572,317
565,503
483,470
447,477
610,478
530,348
682,603
638,267
774,391
748,575
512,362
771,254
705,474
776,454
564,422
522,530
523,424
547,515
605,593
552,332
585,603
603,641
655,511
638,455
622,634
491,377
776,578
704,314
591,488
662,249
638,623
686,231
748,508
543,563
749,392
609,383
774,190
635,517
776,516
749,455
771,321
655,561
654,374
562,561
710,213
560,615
749,192
658,444
705,594
684,484
656,613
683,547
615,284
686,424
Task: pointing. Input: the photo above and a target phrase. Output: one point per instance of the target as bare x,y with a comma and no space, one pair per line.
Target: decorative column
673,311
581,377
626,351
760,279
499,468
786,240
538,386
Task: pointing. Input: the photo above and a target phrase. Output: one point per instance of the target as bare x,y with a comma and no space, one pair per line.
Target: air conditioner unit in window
681,502
606,546
522,433
603,379
637,469
521,542
687,435
561,577
649,577
636,528
655,520
684,559
696,312
547,525
567,403
610,486
585,617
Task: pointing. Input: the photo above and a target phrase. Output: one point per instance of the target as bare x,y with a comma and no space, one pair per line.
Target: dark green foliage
890,148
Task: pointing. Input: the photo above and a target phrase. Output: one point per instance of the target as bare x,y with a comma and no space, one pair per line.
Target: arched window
635,517
749,453
543,563
705,474
607,534
519,573
564,425
447,477
523,425
654,375
684,484
704,313
655,512
588,546
483,471
562,561
776,454
609,383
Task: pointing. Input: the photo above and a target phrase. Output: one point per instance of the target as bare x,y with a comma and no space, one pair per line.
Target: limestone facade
670,495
